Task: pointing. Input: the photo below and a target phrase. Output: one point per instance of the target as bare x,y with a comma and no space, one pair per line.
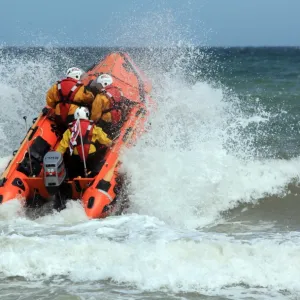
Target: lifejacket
67,89
115,104
87,128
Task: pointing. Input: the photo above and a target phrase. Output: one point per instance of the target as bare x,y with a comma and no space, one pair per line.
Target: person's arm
64,143
84,96
106,105
51,97
102,137
97,108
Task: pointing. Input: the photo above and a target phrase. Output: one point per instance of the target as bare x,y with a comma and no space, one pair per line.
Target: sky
149,22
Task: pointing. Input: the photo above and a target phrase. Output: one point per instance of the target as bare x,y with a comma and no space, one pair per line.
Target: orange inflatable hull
23,179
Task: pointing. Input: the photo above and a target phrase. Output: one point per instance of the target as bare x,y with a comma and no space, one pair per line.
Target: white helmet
75,73
105,80
82,113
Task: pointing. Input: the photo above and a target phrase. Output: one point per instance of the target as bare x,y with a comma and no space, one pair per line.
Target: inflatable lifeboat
37,172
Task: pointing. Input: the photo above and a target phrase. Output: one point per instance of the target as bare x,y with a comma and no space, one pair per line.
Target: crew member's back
66,95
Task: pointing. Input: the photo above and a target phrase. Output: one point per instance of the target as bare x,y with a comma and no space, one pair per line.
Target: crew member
66,95
83,139
109,108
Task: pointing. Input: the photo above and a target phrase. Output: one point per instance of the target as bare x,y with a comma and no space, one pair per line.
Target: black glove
45,111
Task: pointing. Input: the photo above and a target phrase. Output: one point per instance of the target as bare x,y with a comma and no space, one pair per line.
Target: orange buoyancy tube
86,127
67,88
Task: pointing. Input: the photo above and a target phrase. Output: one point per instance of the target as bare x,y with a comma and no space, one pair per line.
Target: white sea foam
146,253
194,164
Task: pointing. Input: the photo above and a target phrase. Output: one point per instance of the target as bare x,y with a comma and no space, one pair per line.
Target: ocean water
213,185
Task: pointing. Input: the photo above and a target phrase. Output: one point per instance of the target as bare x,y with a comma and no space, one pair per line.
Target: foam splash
73,213
195,162
200,263
11,210
26,76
